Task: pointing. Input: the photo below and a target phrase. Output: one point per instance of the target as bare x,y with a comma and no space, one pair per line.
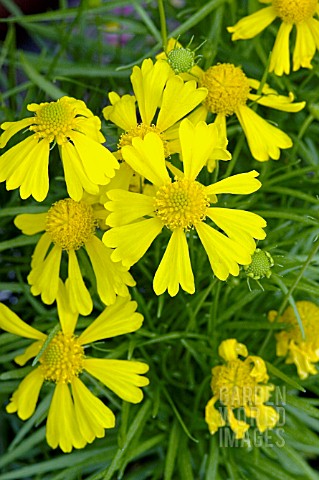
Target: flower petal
111,277
279,59
117,319
79,298
62,427
146,157
230,349
31,223
92,416
11,128
133,240
179,99
67,316
121,376
175,268
239,427
41,250
44,277
243,183
11,323
30,352
213,417
24,399
127,207
305,47
122,112
264,140
252,25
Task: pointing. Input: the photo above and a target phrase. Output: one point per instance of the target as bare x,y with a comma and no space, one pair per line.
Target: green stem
233,161
163,23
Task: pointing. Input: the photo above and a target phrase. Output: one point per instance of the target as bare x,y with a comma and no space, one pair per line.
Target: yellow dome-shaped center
228,88
140,131
181,204
295,11
234,385
55,120
63,359
71,224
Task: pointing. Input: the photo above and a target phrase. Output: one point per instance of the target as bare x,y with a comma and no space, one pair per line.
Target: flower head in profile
69,227
73,127
302,350
240,384
76,416
298,13
159,93
229,90
181,205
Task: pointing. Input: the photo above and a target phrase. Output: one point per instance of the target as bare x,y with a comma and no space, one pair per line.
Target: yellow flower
291,12
70,124
181,205
70,225
76,416
228,92
240,384
302,351
157,92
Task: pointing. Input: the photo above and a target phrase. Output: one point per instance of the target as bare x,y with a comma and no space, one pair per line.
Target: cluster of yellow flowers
118,203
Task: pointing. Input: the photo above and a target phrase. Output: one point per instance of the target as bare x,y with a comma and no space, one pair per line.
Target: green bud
261,264
181,60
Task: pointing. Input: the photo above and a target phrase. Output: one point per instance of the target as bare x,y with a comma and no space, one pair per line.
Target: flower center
71,224
55,120
234,385
63,359
261,264
140,131
181,59
181,204
228,87
295,11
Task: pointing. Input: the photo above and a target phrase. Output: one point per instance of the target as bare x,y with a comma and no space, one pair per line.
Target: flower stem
163,23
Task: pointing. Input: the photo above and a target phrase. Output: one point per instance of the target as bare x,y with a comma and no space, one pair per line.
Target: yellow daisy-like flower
229,90
291,12
76,416
70,124
69,226
302,351
240,384
157,92
181,205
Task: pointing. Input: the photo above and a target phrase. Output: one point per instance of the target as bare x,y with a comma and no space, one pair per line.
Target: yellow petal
179,99
98,162
132,241
67,316
243,183
175,268
213,417
239,427
35,175
30,352
117,319
41,250
279,59
122,112
197,144
62,427
123,377
92,416
32,223
11,323
75,177
266,416
252,25
127,207
24,399
11,128
79,297
264,140
111,278
15,158
313,26
305,47
239,225
148,84
230,349
278,102
44,278
146,157
224,254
